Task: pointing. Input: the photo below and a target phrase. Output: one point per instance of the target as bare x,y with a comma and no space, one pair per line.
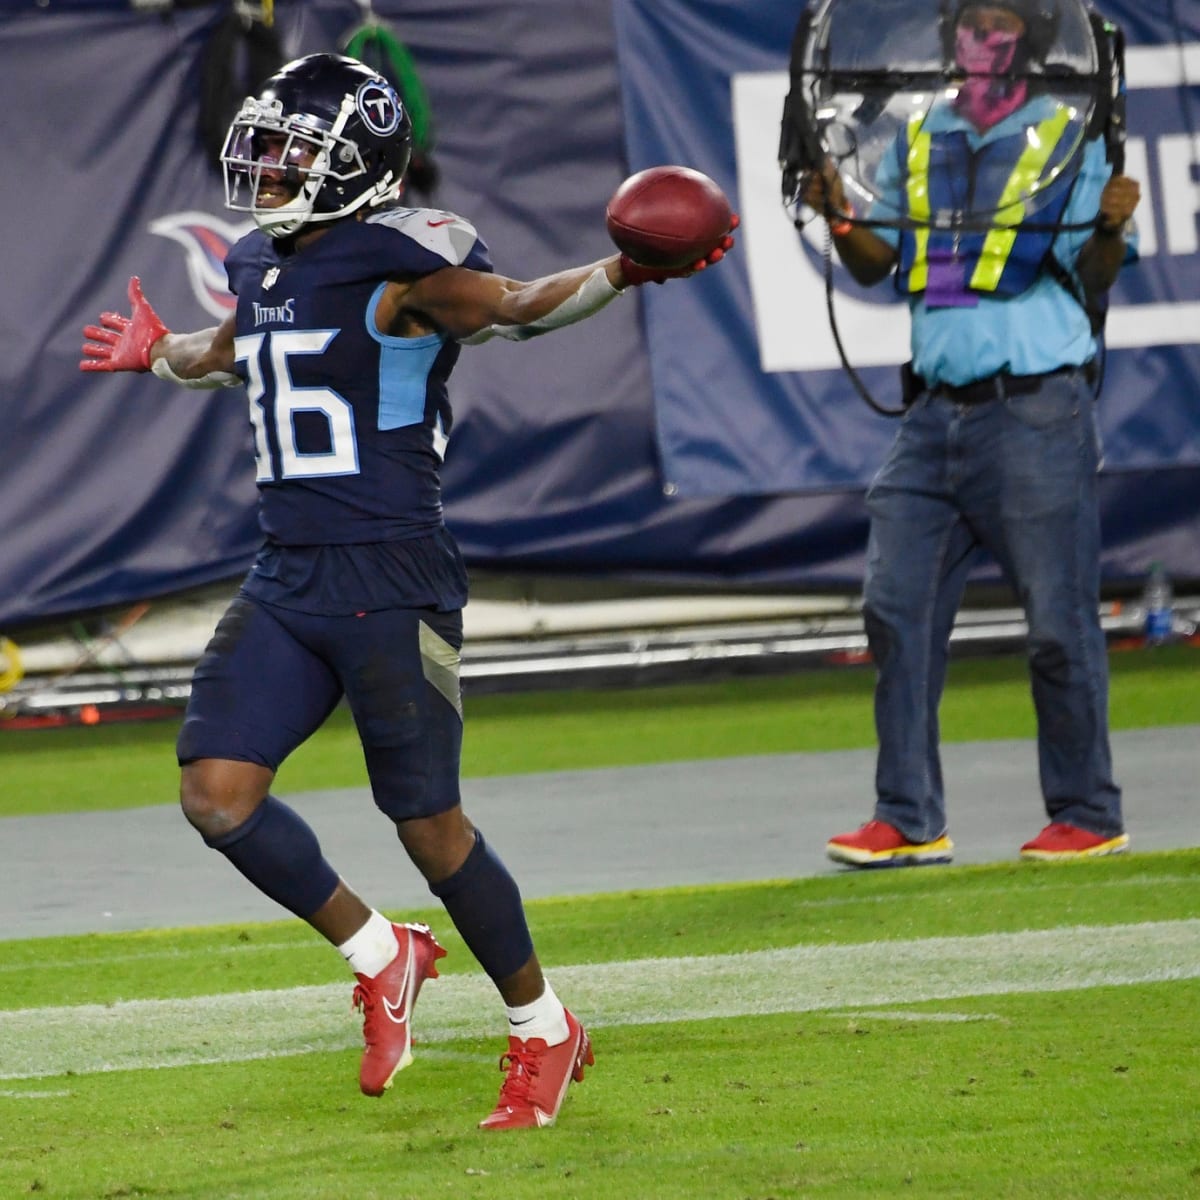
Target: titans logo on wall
206,241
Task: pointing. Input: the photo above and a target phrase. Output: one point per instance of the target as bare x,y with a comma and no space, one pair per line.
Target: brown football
668,216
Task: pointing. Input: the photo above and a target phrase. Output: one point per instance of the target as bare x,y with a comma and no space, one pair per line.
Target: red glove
635,274
123,343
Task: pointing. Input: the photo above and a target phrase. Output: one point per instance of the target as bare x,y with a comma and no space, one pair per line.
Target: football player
351,312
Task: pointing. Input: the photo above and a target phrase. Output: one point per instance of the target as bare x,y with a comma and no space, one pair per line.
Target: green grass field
1005,1031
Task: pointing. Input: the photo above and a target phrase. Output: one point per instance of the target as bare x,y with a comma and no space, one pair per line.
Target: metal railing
589,658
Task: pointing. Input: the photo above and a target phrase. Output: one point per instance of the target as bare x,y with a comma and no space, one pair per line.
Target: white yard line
1076,885
137,1034
859,1015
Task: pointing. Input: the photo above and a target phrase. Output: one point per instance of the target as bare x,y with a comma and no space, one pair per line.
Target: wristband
843,225
214,379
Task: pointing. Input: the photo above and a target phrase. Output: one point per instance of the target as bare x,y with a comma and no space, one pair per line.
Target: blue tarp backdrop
750,392
699,433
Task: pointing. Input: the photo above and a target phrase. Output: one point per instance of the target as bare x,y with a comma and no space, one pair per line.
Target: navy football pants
270,677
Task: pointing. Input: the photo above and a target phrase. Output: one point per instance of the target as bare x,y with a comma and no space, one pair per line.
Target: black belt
996,387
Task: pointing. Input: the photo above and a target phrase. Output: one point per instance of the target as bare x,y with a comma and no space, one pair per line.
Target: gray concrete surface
573,832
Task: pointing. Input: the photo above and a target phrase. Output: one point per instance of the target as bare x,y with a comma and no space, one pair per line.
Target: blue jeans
1015,476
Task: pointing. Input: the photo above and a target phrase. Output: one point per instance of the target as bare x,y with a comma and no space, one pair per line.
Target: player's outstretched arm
142,342
473,306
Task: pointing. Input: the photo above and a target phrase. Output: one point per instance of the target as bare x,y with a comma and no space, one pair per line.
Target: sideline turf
1077,1094
128,766
824,910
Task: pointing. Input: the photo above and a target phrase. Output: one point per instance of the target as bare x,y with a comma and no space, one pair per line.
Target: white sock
371,949
545,1018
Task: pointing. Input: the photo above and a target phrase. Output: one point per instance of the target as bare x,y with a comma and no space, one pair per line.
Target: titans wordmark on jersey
347,421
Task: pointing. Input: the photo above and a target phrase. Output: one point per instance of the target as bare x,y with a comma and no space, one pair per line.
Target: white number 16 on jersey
342,456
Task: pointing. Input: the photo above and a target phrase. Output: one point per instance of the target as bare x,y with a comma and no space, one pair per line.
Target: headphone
1041,19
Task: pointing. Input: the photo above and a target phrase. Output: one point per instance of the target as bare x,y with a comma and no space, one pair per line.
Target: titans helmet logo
379,106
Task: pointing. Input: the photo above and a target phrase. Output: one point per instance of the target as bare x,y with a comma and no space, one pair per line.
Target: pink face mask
982,100
992,51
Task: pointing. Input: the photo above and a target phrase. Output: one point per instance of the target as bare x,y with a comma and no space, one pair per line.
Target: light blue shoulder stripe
404,366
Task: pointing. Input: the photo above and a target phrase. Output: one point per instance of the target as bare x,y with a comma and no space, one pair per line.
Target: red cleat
536,1079
878,844
387,1001
1060,842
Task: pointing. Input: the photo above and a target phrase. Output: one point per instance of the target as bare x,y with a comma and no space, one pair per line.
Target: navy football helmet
326,128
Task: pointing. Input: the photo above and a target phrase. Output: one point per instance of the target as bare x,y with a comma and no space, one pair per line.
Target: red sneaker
1060,842
387,1000
878,844
537,1077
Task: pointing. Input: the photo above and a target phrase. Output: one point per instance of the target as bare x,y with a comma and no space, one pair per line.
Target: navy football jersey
348,423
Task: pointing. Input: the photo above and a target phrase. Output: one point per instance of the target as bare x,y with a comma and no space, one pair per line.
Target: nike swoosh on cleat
390,1008
435,224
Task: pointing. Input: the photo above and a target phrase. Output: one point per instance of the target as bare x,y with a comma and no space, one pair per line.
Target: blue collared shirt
1041,329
